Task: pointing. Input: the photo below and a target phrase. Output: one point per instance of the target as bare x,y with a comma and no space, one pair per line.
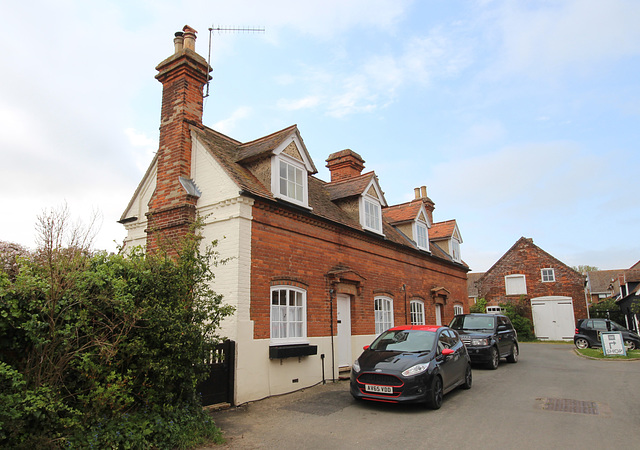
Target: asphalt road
552,398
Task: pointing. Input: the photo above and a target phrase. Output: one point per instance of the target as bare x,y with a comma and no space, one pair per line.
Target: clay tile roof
225,151
599,280
442,230
349,188
263,145
402,213
322,195
632,276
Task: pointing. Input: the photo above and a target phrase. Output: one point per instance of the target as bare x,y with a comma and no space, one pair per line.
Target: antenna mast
227,30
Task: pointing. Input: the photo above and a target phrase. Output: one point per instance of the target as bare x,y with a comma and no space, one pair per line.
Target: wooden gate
218,388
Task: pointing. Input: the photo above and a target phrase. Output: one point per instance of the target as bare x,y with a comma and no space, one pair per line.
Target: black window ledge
291,351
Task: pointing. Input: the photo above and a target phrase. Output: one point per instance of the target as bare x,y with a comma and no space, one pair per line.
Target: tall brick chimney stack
421,194
344,164
172,208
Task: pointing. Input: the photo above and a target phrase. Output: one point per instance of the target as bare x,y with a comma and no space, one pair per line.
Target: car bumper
479,354
414,391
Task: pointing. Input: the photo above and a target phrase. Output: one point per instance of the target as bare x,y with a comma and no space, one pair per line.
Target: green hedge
105,351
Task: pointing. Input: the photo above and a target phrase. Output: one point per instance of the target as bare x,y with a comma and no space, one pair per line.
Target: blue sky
520,117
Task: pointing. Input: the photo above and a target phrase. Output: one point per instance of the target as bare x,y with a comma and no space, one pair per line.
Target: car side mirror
447,352
502,328
365,347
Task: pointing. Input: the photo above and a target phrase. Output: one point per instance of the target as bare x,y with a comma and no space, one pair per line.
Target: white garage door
553,318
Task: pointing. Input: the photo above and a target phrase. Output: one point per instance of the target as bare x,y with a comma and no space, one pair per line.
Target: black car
488,337
413,364
588,333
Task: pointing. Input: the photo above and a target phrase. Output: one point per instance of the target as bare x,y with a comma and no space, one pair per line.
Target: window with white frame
417,312
515,284
383,310
548,275
288,314
289,180
458,309
422,236
455,250
372,216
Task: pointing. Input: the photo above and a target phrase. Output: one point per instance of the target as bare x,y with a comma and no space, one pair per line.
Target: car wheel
495,359
513,356
630,344
468,378
435,397
582,343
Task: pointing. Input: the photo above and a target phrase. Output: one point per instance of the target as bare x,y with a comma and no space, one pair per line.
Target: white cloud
567,36
229,125
310,101
320,18
143,146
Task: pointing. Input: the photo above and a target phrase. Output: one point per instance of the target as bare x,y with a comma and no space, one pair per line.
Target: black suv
488,337
588,333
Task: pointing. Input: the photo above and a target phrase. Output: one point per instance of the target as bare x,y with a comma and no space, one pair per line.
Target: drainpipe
333,361
406,310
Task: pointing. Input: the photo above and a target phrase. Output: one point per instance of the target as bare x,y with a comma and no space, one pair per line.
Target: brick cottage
316,269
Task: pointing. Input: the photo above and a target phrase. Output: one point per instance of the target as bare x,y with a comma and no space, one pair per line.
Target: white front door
553,318
438,314
344,331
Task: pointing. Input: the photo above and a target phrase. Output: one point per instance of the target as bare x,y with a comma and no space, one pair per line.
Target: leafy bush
516,312
479,307
101,350
607,309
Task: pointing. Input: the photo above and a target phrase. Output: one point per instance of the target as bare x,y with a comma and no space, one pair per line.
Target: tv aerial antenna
221,29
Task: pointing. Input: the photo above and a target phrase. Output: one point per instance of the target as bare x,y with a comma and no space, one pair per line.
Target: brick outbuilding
554,293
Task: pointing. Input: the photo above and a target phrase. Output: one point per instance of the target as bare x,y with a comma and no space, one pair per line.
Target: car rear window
473,323
404,341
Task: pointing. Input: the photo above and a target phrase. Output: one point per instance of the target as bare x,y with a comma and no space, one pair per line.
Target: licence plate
378,389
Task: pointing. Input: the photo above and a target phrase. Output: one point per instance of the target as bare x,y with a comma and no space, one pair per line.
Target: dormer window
455,250
290,182
372,219
421,235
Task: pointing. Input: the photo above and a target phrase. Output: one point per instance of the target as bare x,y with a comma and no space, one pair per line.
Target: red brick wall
290,246
171,209
528,259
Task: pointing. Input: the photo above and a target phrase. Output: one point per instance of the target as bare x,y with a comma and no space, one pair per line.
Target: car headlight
415,370
355,366
477,342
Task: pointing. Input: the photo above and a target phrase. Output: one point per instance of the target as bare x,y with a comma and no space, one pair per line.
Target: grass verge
596,353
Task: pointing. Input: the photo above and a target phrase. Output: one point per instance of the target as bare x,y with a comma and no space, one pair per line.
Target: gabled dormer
282,163
412,220
360,196
447,236
371,203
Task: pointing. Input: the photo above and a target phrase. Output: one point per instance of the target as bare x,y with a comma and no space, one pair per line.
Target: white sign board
612,343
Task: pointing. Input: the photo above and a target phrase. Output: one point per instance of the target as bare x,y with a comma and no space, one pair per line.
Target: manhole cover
569,405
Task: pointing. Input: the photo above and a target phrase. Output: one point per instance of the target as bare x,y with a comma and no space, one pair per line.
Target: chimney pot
178,41
189,38
423,190
417,193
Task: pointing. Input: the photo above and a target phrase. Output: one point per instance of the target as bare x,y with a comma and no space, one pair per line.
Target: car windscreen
615,326
404,341
473,323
